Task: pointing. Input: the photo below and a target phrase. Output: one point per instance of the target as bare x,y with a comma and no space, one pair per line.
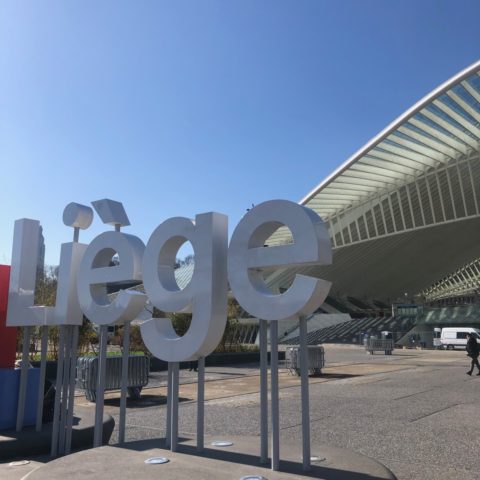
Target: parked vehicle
437,338
456,337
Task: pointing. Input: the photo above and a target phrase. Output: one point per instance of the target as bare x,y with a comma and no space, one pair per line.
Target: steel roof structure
464,281
403,211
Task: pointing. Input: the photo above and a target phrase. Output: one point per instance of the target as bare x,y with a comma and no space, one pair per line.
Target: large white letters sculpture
205,295
95,273
247,256
86,271
21,309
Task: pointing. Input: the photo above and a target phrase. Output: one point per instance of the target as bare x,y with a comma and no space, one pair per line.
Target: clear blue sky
183,107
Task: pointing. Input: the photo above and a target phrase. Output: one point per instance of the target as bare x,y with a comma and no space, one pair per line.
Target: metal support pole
473,186
124,383
452,198
340,230
410,205
168,430
400,207
430,200
305,394
102,361
263,392
332,229
41,385
168,433
58,391
392,215
175,392
420,203
440,195
382,212
71,391
462,190
65,385
22,393
274,396
201,404
374,219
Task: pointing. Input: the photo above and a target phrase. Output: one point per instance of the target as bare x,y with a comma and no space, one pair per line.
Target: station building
403,217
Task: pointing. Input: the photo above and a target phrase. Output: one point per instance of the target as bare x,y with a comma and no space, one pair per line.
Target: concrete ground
416,411
238,461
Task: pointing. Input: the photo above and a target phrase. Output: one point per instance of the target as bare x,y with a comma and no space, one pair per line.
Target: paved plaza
415,411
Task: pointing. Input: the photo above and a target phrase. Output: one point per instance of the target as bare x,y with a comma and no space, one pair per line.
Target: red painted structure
8,335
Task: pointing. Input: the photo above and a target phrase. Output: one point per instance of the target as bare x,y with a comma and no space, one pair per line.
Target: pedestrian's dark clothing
473,351
472,347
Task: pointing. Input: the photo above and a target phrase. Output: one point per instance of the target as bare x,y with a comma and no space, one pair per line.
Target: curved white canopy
422,172
442,127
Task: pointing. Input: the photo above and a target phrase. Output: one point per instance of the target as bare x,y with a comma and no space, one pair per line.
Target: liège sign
85,273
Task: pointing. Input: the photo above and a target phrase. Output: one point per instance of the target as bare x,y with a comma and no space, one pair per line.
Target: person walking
473,352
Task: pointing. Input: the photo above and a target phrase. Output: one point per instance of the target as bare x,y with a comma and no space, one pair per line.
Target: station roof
411,194
442,127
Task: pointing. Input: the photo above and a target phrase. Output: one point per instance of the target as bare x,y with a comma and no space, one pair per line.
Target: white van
456,337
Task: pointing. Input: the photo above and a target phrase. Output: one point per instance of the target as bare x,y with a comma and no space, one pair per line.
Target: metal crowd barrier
138,370
316,359
379,345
